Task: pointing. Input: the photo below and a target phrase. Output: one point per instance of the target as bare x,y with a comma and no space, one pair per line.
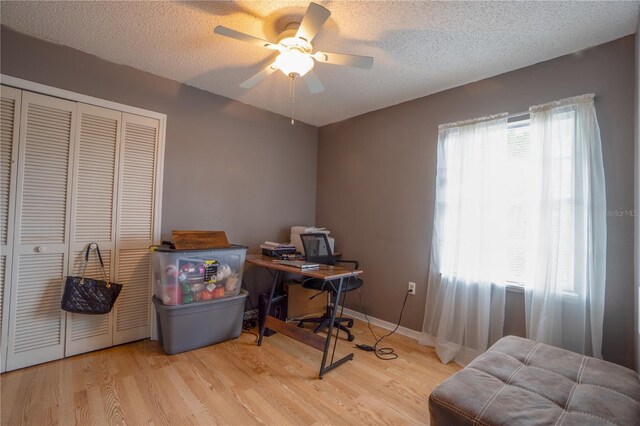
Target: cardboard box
299,304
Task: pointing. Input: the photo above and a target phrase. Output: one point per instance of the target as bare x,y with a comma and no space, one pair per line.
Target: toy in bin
190,276
197,281
191,279
171,291
219,280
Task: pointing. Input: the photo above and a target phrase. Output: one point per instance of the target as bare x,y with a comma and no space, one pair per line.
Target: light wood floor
235,383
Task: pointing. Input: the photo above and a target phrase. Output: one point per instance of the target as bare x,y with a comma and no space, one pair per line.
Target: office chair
317,250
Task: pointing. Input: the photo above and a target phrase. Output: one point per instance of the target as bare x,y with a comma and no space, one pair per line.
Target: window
519,204
517,192
518,200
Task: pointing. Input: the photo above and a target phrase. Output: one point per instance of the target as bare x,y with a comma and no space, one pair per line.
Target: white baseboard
413,334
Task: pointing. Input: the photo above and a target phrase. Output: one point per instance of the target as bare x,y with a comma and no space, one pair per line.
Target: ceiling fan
296,58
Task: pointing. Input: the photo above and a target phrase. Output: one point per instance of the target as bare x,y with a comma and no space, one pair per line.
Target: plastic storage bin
186,327
182,277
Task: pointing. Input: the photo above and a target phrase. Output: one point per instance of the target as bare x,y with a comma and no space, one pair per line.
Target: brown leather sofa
522,382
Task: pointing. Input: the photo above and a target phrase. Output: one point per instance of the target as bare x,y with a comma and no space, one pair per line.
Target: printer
297,230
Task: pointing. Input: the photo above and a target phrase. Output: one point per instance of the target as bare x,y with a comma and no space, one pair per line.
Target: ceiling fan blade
365,62
259,76
313,19
228,32
313,83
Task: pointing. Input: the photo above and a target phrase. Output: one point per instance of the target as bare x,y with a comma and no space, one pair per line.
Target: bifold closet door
41,233
93,217
9,132
135,226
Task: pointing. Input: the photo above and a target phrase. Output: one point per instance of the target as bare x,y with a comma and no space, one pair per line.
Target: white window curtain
468,268
565,282
527,211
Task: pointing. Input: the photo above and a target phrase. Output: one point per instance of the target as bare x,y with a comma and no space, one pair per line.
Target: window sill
569,296
519,288
515,288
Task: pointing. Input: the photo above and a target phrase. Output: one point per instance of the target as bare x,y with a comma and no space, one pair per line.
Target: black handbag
88,296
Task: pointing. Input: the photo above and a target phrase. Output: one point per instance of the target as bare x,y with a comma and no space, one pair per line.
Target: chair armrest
355,263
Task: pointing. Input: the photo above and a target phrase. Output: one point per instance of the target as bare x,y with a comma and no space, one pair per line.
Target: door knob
41,249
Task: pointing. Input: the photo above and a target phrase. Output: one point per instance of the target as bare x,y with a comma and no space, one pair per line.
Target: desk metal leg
316,342
327,345
276,280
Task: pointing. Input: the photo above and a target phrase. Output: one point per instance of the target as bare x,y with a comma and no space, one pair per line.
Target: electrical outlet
412,288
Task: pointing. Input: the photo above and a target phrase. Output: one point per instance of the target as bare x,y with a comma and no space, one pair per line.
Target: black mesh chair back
317,248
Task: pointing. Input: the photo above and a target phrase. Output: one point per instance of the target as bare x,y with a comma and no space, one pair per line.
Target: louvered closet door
37,324
9,132
137,183
93,216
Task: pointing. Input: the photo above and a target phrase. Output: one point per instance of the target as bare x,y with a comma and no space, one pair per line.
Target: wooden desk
325,272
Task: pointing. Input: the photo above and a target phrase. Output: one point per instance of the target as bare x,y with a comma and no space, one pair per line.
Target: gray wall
225,162
637,249
376,180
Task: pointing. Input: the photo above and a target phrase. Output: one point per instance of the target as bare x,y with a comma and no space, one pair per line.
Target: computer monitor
317,248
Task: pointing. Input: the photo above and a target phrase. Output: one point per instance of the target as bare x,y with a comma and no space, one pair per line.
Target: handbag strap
86,261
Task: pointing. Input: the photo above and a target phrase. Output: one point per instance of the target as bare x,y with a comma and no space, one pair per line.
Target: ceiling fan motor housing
288,39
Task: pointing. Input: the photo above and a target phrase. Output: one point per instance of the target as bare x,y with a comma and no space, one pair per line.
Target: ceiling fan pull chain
292,96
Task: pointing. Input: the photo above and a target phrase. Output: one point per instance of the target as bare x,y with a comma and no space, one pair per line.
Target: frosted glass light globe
294,62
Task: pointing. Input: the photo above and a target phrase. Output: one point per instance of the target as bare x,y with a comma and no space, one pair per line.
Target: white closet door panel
37,329
42,217
7,118
134,235
137,178
4,308
132,309
45,169
93,216
95,179
3,268
10,102
9,130
89,332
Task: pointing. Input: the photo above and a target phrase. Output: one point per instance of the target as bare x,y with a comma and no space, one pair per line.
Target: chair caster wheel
300,325
351,338
350,324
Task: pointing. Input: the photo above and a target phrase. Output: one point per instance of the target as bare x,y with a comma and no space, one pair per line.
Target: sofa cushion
519,381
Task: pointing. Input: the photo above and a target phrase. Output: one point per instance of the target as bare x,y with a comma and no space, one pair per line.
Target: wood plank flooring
231,383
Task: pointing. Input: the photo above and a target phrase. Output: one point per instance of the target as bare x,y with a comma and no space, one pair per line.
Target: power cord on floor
250,321
384,353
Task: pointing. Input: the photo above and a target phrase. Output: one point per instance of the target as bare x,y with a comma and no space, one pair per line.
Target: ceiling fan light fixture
294,62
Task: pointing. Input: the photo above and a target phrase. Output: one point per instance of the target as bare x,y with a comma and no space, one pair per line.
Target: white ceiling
419,47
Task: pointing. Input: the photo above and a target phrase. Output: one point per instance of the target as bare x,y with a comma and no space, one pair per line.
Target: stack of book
279,250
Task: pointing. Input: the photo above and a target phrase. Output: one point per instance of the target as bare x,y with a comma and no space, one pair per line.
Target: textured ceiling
419,47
